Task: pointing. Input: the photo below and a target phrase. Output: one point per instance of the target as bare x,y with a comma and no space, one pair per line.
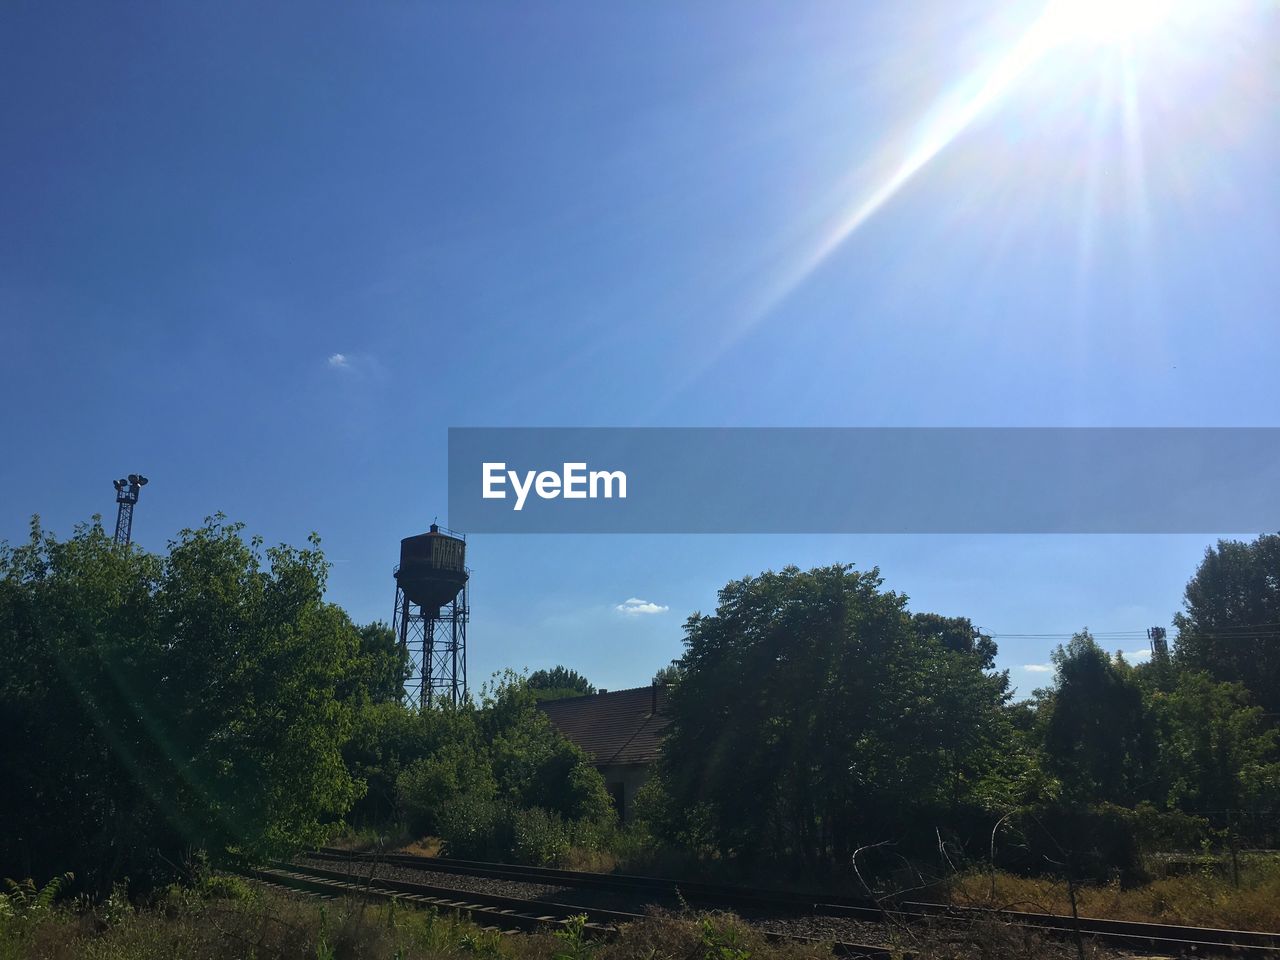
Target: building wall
623,781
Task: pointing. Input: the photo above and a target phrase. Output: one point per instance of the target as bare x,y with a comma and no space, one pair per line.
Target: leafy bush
26,901
465,773
533,765
539,838
221,886
476,829
1099,842
1161,830
815,714
431,785
480,829
158,704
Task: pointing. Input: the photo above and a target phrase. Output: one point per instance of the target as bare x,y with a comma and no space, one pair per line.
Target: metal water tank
433,568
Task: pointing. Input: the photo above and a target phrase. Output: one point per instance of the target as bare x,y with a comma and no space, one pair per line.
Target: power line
1261,631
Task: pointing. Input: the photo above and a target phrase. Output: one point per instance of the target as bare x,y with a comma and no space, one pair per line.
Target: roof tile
620,726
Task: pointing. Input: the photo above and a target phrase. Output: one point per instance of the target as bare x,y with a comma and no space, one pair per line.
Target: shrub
158,704
1099,842
1161,830
476,829
221,886
27,901
481,829
434,784
539,838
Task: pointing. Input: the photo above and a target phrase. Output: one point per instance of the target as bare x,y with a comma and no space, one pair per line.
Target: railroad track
1143,937
494,911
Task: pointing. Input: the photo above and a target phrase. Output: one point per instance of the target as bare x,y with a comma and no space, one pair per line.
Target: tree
533,764
1230,623
158,704
453,767
957,634
1097,738
559,683
668,675
814,714
379,667
424,768
1217,753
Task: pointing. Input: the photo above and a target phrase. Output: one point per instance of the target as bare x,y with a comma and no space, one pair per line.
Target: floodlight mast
127,490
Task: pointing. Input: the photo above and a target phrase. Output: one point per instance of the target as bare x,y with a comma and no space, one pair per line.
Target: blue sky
267,255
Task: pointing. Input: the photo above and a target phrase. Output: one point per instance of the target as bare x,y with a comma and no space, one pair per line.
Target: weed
722,942
574,943
27,901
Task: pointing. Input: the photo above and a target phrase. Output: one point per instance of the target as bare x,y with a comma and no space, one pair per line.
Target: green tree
454,768
389,738
1230,623
379,667
156,704
814,714
957,634
1217,753
533,765
1097,737
559,683
667,675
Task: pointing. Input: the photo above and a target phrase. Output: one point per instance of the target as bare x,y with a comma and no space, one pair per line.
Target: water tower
431,615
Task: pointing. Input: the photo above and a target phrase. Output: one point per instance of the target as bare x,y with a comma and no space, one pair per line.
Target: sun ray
1050,76
949,125
1092,24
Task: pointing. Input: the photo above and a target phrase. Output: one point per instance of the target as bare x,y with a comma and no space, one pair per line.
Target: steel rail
502,912
1173,939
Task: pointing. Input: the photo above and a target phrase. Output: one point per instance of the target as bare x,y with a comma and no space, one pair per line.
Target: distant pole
127,490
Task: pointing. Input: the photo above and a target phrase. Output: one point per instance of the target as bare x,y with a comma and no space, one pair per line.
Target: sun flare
1104,21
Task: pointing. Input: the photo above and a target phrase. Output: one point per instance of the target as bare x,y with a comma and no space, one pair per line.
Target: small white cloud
1138,654
1038,667
635,606
339,361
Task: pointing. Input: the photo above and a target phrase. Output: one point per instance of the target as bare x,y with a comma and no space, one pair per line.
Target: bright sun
1070,50
1104,21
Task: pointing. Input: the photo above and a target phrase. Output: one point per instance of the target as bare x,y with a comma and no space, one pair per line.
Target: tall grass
230,921
1206,897
251,922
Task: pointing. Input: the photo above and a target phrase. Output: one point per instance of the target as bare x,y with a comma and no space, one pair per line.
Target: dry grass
270,924
229,920
709,936
422,847
578,858
992,940
1205,899
595,861
273,925
366,839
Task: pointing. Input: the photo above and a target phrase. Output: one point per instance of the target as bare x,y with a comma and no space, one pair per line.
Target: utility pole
127,491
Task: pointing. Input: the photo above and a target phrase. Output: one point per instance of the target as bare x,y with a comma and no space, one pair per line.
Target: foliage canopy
814,712
153,705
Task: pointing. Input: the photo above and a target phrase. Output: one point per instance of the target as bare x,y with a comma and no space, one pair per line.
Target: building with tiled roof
621,730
